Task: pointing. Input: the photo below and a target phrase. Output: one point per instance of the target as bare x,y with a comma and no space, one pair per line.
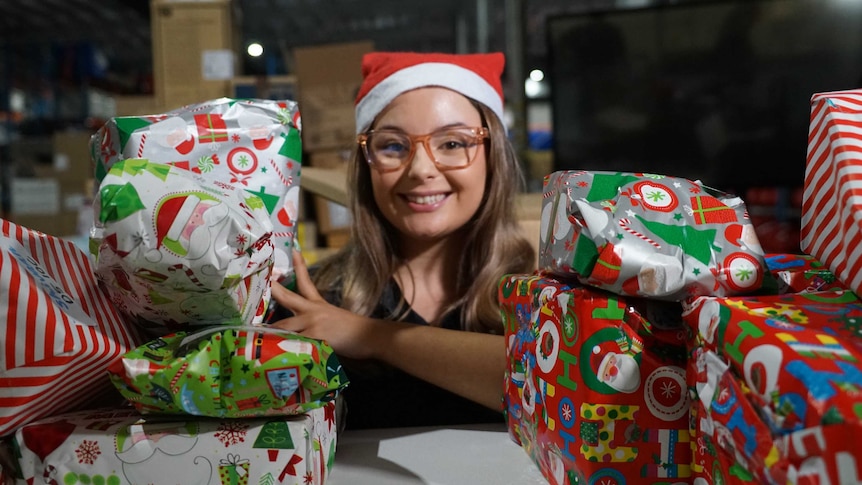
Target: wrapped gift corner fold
648,235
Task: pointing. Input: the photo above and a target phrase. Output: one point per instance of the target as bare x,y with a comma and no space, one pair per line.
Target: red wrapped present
774,375
59,331
594,390
801,273
831,204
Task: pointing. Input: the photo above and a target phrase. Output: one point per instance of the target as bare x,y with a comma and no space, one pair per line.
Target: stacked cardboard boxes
194,46
50,186
328,78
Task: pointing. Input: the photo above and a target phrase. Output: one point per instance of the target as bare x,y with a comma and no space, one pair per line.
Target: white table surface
470,455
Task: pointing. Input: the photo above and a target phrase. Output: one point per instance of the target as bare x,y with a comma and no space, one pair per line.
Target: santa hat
601,356
171,219
389,74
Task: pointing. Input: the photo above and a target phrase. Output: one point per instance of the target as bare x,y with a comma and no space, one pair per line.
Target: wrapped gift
177,251
59,329
831,205
775,374
800,273
594,390
230,372
252,144
648,235
121,447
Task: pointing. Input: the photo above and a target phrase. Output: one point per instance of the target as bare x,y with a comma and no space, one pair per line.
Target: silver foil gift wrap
251,144
175,250
648,235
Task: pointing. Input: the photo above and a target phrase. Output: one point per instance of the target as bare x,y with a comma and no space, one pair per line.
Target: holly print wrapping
253,145
647,235
122,447
595,392
775,376
175,251
230,372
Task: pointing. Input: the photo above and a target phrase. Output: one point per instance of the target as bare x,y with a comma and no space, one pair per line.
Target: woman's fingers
303,280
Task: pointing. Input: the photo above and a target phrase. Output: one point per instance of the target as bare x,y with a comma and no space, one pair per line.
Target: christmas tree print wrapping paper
594,391
251,144
177,251
121,447
831,203
230,372
647,235
779,379
59,331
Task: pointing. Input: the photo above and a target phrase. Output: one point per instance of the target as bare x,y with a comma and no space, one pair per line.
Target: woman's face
422,202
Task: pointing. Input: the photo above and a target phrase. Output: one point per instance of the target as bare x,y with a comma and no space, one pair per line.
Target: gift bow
235,461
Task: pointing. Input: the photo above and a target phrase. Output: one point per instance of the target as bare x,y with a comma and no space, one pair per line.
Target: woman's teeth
425,199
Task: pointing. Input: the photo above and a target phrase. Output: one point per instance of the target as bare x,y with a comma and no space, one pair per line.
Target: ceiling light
254,49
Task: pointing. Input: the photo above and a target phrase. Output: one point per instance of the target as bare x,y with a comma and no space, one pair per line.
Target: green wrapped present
230,372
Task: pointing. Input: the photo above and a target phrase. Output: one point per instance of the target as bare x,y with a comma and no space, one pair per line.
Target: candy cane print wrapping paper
832,196
60,331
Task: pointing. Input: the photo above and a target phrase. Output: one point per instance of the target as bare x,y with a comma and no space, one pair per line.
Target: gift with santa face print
595,385
775,376
176,250
122,447
252,144
647,235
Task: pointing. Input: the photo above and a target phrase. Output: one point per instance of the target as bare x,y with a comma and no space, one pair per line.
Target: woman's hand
350,335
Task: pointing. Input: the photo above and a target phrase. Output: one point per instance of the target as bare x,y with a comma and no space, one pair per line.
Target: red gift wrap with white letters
778,381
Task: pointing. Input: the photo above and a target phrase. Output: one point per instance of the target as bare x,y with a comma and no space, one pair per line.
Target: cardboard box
328,78
37,203
194,50
136,105
276,88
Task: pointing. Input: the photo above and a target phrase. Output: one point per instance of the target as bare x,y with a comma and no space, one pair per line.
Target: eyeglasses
449,148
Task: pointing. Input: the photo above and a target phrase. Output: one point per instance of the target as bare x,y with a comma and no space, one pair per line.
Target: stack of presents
144,359
658,343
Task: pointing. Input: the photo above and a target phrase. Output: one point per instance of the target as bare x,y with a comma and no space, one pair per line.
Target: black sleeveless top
381,396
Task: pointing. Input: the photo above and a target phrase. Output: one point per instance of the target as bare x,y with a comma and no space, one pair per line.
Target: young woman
410,303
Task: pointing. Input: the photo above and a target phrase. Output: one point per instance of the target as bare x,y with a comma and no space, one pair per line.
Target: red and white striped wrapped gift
832,198
59,330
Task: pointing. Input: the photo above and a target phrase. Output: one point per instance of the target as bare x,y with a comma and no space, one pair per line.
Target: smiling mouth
425,199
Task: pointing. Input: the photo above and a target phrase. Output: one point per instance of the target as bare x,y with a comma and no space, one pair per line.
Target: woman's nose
422,165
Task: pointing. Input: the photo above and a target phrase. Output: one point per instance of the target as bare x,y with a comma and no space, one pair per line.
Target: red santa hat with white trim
389,74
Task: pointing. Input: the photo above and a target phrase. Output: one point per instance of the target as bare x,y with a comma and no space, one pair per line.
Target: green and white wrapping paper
252,144
177,251
230,372
121,447
648,235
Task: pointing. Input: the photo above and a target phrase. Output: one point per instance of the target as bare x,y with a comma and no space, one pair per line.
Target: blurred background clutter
714,90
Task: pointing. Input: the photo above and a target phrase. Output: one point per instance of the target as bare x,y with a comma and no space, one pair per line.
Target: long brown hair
494,245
